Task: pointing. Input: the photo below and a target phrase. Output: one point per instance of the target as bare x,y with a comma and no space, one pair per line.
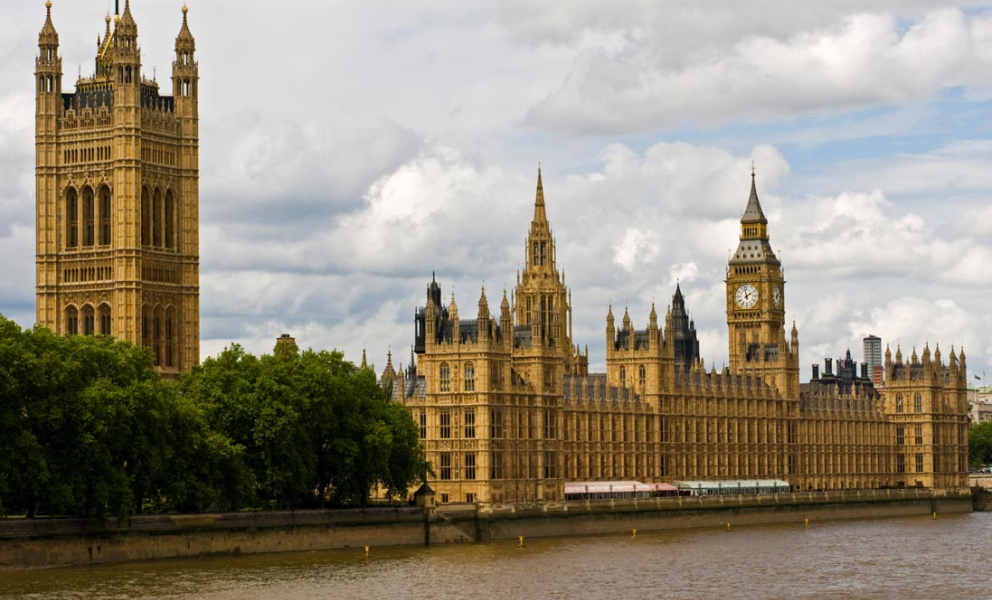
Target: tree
980,444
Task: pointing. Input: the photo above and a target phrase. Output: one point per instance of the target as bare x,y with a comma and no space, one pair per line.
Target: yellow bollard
366,551
728,526
633,534
806,522
520,542
934,516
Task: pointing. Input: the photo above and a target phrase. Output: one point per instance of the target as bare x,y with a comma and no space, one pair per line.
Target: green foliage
980,444
89,428
315,429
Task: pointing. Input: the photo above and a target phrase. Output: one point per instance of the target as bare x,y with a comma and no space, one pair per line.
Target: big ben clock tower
756,306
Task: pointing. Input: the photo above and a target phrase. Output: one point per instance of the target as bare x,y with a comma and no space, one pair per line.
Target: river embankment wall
47,542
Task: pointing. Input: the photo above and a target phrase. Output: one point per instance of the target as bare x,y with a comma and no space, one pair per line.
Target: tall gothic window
72,321
918,403
88,217
71,220
899,405
470,465
642,375
157,219
170,337
170,221
445,466
445,424
157,336
105,216
470,424
445,378
146,218
105,320
495,423
469,377
89,321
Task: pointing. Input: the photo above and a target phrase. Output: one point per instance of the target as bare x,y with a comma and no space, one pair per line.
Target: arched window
146,218
445,378
170,221
918,403
170,337
89,320
469,377
72,321
71,219
899,406
105,323
157,331
157,219
642,375
623,377
105,216
88,215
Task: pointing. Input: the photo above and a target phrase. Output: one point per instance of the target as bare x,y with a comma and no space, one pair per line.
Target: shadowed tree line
89,428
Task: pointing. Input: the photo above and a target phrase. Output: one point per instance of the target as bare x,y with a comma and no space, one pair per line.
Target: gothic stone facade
508,411
118,197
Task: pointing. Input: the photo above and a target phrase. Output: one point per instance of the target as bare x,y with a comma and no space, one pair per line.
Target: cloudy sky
349,149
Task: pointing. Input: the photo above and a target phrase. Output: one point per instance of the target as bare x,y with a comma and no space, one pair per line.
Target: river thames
904,559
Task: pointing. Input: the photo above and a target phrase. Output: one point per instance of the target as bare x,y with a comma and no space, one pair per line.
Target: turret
127,61
456,327
185,71
483,318
506,322
48,70
611,332
389,373
48,110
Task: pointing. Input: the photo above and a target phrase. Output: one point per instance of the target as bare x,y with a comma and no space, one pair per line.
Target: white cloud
865,61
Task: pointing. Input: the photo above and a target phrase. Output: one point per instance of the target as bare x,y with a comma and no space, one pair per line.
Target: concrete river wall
45,542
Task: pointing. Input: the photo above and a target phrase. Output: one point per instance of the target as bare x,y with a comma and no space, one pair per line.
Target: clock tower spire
756,305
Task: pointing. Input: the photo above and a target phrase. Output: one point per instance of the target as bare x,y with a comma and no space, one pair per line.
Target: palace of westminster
505,403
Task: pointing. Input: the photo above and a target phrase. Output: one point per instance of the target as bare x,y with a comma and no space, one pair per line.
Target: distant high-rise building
873,357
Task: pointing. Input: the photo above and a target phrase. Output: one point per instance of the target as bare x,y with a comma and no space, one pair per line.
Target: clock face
777,296
746,296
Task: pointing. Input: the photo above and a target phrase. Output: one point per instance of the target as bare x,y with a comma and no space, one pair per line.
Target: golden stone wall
531,418
118,197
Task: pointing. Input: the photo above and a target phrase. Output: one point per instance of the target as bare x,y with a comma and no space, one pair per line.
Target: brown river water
904,559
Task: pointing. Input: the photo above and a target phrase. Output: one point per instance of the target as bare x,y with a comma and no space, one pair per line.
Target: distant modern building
873,358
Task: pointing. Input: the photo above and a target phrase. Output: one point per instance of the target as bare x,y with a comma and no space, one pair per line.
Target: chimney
828,366
816,372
